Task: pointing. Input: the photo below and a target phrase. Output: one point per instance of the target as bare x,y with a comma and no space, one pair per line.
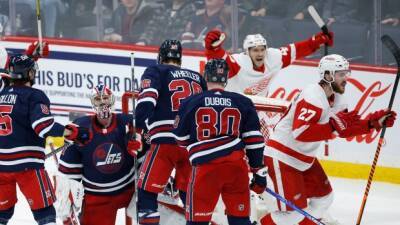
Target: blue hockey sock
5,215
45,216
147,208
235,220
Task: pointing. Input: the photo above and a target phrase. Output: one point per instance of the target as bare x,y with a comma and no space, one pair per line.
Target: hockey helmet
333,63
170,49
216,70
102,100
254,40
22,67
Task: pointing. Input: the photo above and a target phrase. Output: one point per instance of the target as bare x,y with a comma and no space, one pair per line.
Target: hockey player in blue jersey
25,122
104,165
163,87
219,128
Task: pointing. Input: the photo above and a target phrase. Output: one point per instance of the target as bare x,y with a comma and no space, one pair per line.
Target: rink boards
74,67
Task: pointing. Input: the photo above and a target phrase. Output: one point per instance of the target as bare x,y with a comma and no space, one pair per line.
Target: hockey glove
135,146
69,193
77,134
343,122
319,39
214,39
259,181
380,117
36,52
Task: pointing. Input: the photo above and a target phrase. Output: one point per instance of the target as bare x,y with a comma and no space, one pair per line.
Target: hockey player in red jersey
252,70
315,115
104,165
33,51
163,87
219,128
26,121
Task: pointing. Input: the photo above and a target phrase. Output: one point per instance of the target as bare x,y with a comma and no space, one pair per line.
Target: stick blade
392,46
314,14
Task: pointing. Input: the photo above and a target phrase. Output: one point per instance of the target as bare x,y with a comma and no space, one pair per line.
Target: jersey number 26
182,89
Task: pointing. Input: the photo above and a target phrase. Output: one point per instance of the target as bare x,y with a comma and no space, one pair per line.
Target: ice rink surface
383,205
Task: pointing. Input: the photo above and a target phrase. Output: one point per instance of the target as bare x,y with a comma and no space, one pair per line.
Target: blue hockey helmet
216,71
170,49
22,67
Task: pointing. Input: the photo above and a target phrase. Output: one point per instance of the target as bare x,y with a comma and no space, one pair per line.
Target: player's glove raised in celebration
344,123
36,51
135,146
214,39
213,44
77,134
259,181
380,117
319,39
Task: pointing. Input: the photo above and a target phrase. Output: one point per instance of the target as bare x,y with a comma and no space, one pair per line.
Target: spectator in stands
254,7
290,9
211,17
171,23
130,20
342,11
51,11
390,12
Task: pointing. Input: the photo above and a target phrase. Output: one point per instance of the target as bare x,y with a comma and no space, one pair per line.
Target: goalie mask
103,101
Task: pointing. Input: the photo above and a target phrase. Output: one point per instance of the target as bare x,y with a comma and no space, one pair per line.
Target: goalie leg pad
45,216
5,215
234,220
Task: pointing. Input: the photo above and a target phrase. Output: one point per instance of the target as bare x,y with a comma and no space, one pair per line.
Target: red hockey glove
259,181
345,122
135,146
378,118
35,51
319,39
214,39
77,134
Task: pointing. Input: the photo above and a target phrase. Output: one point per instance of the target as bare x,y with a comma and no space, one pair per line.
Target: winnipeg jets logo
108,158
112,158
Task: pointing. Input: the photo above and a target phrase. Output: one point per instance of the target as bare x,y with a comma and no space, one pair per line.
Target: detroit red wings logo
45,109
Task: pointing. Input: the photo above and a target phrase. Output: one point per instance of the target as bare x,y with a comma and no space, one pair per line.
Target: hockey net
269,110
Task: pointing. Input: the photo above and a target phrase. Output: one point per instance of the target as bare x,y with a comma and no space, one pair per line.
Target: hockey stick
74,216
55,151
293,206
39,24
133,99
318,20
134,133
394,49
321,24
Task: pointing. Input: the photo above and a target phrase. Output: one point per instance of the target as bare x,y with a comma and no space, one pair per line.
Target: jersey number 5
182,89
207,119
5,120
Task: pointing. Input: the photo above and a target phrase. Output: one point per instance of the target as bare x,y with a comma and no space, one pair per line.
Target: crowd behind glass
356,23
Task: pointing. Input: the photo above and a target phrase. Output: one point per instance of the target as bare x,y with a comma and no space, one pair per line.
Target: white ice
383,205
